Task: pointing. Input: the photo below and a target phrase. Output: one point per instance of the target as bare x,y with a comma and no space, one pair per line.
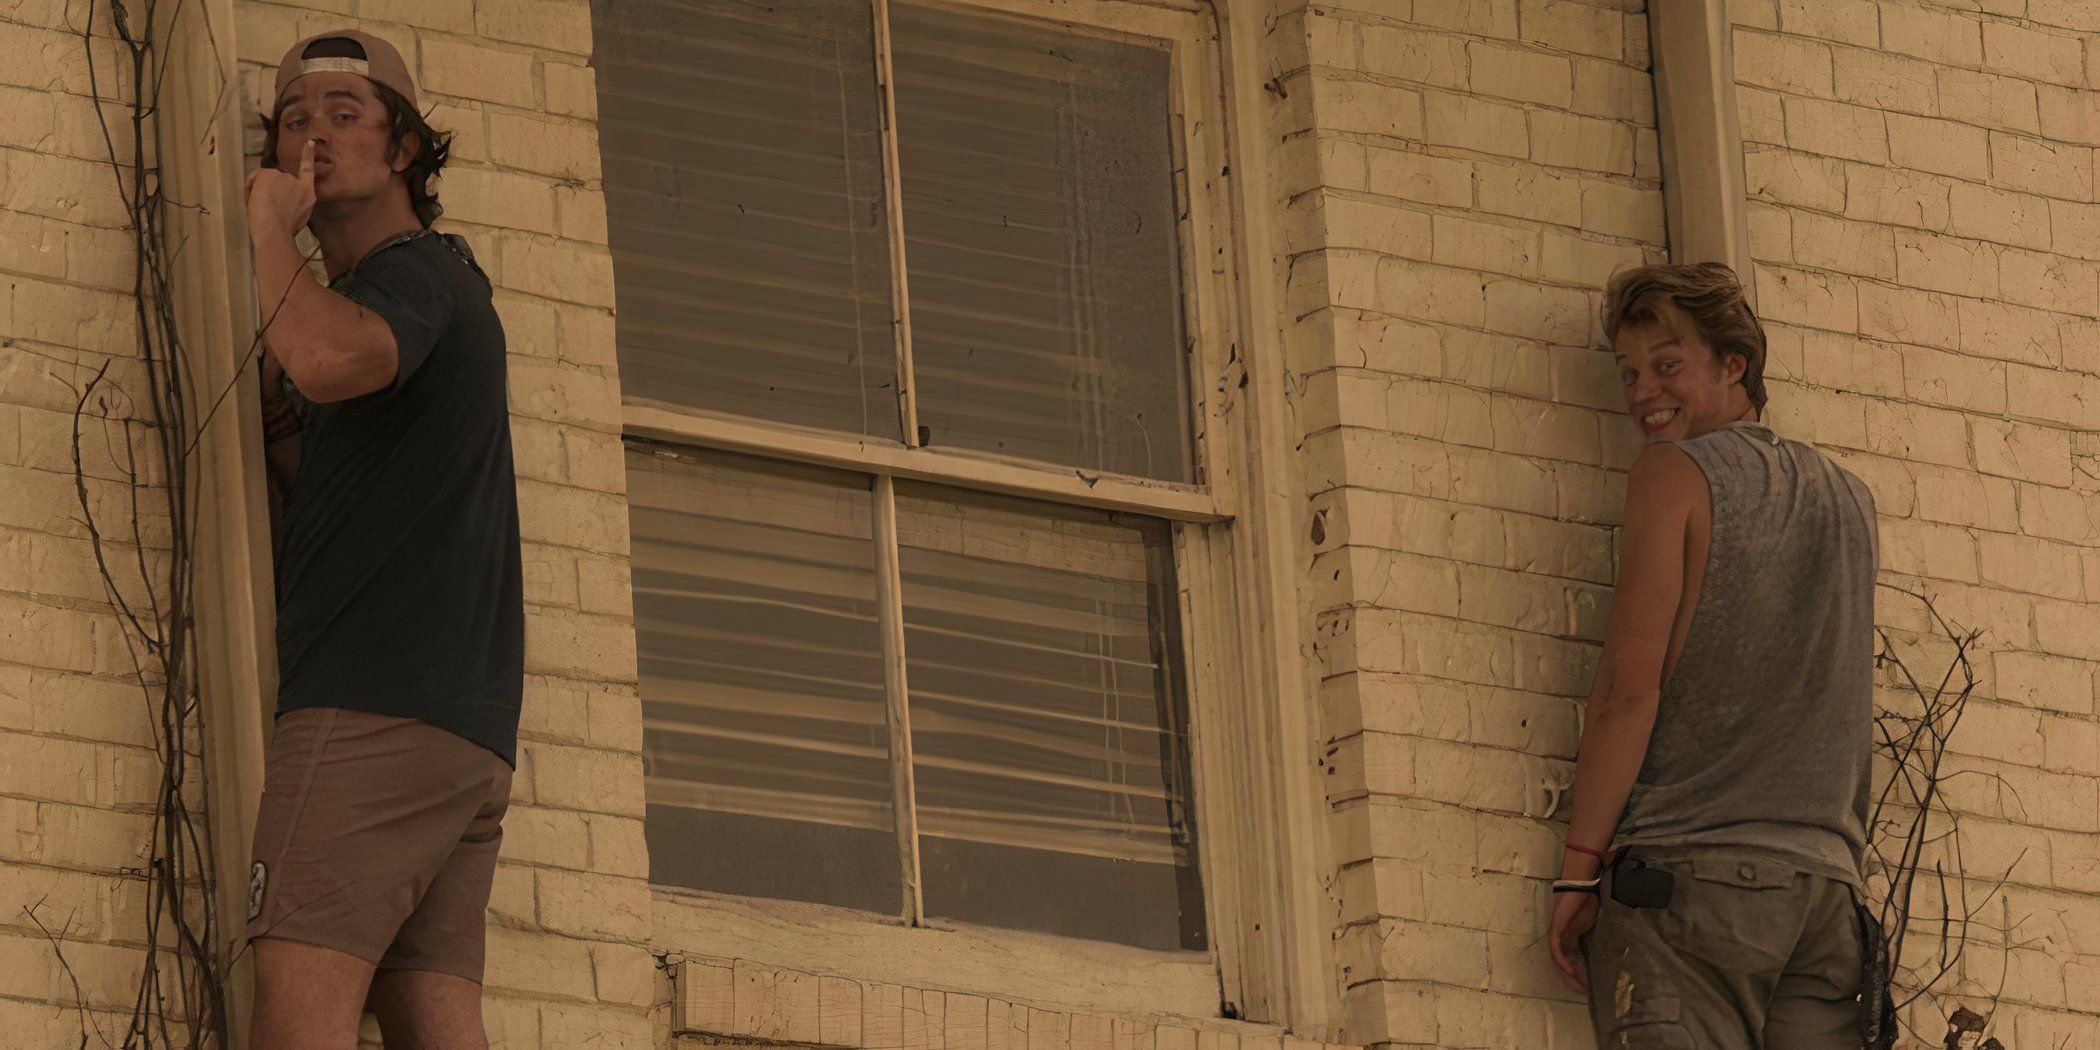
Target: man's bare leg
306,997
426,1010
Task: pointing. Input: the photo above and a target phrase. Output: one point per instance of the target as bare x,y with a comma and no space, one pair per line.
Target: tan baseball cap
370,57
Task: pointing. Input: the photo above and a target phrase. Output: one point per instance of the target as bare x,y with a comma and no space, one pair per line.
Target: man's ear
1734,366
405,152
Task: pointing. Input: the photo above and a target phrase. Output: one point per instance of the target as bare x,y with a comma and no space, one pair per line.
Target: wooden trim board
1705,193
200,138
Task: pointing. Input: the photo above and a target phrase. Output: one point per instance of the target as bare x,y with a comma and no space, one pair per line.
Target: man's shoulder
450,254
1665,478
1816,466
427,257
456,245
1671,463
1823,460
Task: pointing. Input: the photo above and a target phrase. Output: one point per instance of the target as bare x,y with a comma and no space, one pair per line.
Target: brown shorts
377,838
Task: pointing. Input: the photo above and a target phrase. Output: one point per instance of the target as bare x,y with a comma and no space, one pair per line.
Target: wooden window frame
1243,968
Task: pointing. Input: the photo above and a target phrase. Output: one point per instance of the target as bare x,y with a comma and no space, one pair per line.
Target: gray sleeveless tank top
1764,733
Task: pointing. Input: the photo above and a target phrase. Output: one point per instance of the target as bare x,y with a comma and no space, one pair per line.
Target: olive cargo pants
1749,953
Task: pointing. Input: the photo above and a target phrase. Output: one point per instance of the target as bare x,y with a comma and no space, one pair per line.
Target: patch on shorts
258,880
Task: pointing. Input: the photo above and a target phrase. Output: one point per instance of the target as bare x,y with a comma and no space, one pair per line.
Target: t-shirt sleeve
410,289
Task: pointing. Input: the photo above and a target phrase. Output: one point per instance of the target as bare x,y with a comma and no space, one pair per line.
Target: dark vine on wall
180,999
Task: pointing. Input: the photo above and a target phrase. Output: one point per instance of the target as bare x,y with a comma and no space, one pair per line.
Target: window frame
1201,516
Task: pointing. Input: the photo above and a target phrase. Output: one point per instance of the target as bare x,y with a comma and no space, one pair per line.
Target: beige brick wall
1465,178
569,917
1922,213
1458,179
77,777
738,1001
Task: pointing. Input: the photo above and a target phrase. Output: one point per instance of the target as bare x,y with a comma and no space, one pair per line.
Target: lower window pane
1049,726
764,731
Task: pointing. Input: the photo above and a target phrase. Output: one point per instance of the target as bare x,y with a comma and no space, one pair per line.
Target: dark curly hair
432,148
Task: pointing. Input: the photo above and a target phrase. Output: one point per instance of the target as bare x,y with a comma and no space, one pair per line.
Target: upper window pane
744,195
1040,236
765,731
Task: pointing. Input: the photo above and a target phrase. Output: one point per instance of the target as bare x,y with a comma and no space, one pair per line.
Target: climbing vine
1928,902
147,426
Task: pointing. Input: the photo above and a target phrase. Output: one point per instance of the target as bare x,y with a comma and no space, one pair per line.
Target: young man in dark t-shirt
400,617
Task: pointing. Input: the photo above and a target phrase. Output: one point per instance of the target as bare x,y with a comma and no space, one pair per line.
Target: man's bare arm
333,349
1662,489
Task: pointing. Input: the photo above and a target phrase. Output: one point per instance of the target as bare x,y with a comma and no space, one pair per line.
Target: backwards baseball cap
346,51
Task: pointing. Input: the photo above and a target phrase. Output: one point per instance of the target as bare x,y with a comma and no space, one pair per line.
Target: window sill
737,1003
798,949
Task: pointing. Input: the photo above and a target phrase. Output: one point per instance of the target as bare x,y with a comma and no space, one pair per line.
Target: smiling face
350,128
1676,386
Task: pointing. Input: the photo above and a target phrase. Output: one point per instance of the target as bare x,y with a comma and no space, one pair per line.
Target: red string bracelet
1585,849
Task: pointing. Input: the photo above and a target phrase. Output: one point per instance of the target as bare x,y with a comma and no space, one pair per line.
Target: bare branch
181,923
1911,816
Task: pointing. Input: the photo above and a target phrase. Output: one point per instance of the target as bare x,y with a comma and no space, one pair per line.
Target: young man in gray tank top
1708,893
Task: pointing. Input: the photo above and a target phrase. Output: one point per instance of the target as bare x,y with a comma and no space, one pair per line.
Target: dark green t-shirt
399,589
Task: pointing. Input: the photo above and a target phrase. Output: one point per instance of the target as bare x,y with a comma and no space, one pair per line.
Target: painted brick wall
1927,240
569,963
746,1002
77,779
1471,174
1459,177
1464,178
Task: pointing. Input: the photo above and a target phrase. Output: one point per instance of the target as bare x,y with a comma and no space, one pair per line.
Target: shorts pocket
293,759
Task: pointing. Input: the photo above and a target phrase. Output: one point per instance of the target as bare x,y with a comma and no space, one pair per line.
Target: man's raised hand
281,202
